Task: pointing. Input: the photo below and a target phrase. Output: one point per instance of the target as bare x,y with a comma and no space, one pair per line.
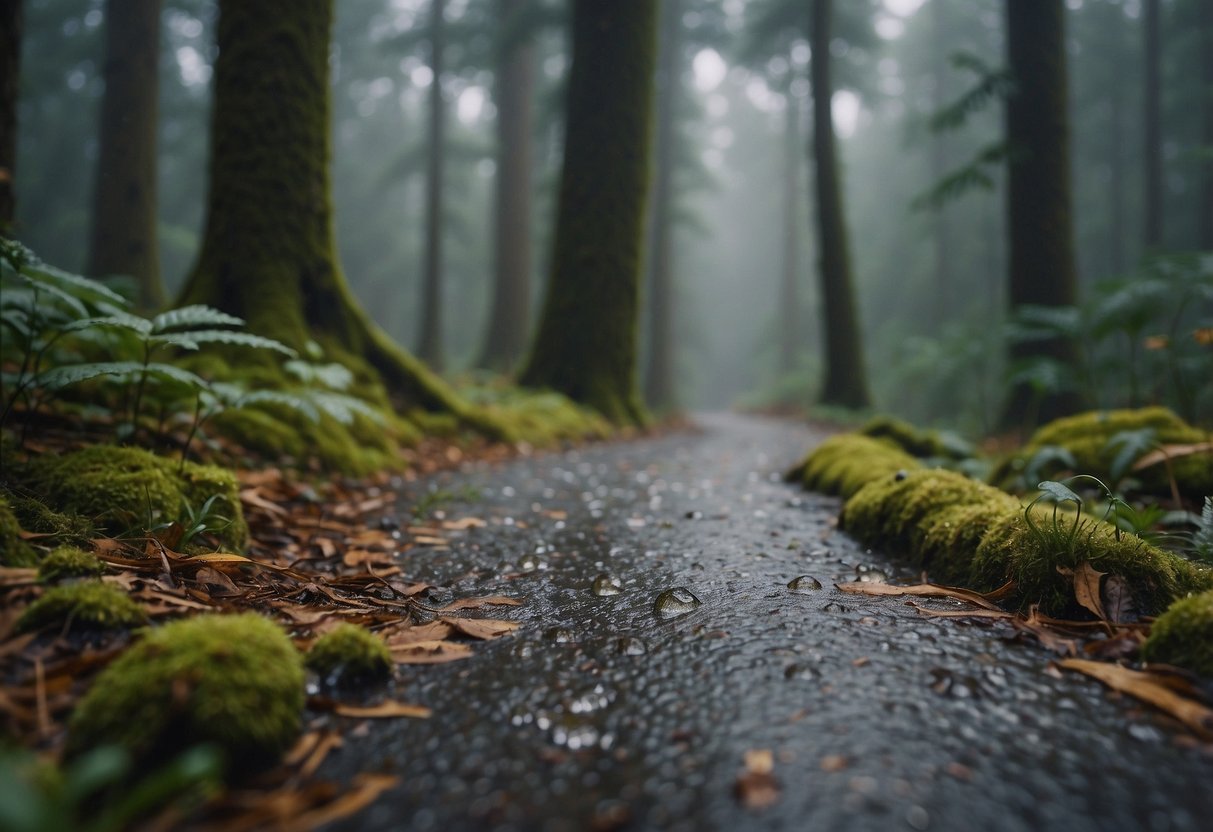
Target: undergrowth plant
1061,534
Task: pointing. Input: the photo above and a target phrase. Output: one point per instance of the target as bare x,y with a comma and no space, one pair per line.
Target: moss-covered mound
13,550
1087,437
130,488
69,562
89,606
845,463
914,441
232,680
1183,635
539,418
348,654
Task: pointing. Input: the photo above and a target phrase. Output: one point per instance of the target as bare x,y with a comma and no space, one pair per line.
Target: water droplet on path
631,646
804,583
606,585
675,602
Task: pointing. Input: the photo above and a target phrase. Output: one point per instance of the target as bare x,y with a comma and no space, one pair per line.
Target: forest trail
597,714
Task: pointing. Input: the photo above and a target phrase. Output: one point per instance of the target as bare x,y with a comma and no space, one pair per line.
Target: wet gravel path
598,714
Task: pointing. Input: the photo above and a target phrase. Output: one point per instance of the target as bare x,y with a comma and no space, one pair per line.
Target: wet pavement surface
604,713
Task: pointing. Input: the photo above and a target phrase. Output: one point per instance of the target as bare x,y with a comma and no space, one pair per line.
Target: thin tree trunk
1206,215
268,253
430,346
944,285
586,344
10,70
509,320
123,240
659,385
845,381
1116,206
1152,124
789,291
1040,235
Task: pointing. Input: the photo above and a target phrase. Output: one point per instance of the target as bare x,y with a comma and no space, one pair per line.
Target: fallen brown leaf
485,629
925,590
1086,587
1171,452
430,652
384,710
362,792
488,601
756,786
1150,689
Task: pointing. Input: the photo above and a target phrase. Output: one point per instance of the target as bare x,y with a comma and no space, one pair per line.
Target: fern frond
73,303
196,315
60,377
279,398
343,408
84,288
191,340
117,320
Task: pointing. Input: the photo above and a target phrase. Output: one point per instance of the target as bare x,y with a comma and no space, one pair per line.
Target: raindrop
870,575
804,583
675,602
528,563
800,671
631,646
605,585
694,515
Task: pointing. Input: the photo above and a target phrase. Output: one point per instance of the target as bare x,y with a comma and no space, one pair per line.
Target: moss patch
69,562
13,550
349,653
1183,635
916,442
91,605
1086,437
232,680
845,463
130,488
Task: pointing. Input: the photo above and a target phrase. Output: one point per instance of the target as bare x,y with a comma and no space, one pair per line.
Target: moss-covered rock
950,537
1183,635
69,562
235,681
914,441
13,550
36,516
124,488
89,606
1087,435
845,463
348,654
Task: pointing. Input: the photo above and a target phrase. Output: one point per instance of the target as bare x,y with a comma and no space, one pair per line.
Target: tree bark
123,240
430,345
586,344
1206,205
11,20
1040,235
659,385
945,288
509,319
1152,126
789,291
268,253
845,382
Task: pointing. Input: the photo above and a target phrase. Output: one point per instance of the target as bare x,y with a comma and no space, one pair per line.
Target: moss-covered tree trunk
586,343
1152,125
509,318
10,69
845,379
1040,235
789,287
268,252
429,347
1206,186
659,385
123,239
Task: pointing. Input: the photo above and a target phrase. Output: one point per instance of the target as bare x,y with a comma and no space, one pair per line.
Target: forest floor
763,707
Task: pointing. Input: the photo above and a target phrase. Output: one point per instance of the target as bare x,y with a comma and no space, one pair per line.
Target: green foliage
13,549
349,654
83,606
1183,635
99,792
67,562
845,463
234,681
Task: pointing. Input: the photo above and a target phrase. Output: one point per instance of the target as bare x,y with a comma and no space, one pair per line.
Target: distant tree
790,334
659,385
1040,235
1206,204
10,67
514,94
268,253
845,381
1152,124
123,240
945,290
429,347
586,343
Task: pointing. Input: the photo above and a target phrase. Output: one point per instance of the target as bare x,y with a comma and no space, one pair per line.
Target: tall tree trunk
429,347
509,319
586,344
123,240
1152,125
945,290
659,384
789,289
10,71
1040,236
1116,205
845,381
1206,205
268,253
